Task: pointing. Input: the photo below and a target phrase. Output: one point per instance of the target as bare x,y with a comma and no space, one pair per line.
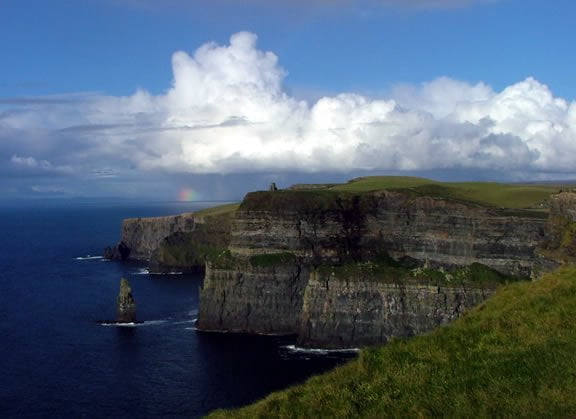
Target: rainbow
188,194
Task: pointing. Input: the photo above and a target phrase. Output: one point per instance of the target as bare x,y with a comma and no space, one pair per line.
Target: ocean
56,360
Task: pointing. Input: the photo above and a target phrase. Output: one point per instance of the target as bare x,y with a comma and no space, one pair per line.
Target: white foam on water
132,324
165,273
89,257
319,351
143,271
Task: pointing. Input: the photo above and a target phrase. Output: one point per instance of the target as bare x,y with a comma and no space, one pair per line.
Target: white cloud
227,112
39,165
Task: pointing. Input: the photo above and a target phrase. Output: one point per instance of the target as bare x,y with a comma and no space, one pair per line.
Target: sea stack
126,303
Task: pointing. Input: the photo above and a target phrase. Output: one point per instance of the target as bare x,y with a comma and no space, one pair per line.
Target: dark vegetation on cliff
406,271
512,356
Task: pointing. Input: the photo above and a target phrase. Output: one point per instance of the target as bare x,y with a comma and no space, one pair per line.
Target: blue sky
91,103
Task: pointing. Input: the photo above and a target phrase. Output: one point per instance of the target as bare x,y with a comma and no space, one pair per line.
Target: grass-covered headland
512,356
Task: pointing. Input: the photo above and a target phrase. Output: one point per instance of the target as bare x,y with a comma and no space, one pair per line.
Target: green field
226,209
512,356
501,195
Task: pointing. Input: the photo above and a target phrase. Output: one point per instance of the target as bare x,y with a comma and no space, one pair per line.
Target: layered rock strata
144,235
320,228
326,227
260,300
339,313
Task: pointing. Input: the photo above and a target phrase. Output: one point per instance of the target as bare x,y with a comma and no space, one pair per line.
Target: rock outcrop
126,304
315,229
118,252
321,226
340,313
253,299
188,251
293,261
140,237
560,243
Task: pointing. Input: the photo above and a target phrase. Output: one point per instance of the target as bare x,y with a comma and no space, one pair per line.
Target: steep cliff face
188,251
564,205
253,299
323,228
326,226
142,236
560,243
344,313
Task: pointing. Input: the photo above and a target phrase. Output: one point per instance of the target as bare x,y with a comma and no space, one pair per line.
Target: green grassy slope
226,209
487,193
513,356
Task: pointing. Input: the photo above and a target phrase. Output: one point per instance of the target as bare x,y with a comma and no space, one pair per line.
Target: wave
133,324
319,351
146,271
89,257
143,271
165,273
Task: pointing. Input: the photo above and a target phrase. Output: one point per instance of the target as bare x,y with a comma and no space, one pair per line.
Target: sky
209,99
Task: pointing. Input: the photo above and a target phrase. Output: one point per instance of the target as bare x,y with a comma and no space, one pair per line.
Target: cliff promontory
360,263
343,269
140,237
178,242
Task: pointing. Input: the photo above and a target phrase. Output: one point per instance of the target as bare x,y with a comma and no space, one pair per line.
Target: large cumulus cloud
227,112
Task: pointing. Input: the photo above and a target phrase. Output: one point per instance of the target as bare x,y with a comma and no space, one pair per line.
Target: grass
220,210
273,259
500,195
512,356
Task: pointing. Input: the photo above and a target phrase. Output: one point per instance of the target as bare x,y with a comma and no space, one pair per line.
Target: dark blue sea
57,361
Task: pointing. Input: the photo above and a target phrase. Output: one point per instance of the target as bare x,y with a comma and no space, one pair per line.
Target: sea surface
56,360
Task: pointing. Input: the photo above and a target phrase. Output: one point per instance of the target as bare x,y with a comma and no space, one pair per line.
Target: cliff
274,280
189,251
179,242
341,268
252,299
325,225
560,243
343,313
140,237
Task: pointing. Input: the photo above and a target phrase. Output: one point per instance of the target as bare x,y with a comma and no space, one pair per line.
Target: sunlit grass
500,195
226,209
512,356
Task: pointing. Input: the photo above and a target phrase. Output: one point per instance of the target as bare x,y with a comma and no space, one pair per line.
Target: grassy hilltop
502,195
512,356
498,195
